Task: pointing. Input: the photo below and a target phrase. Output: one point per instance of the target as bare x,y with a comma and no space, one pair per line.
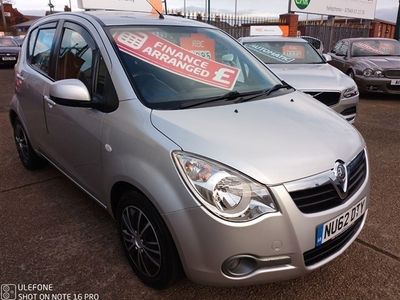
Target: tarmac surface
52,233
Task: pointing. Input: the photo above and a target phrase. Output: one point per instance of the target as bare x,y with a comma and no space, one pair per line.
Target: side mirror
327,57
70,92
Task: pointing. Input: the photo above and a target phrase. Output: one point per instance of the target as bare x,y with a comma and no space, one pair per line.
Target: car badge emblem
340,178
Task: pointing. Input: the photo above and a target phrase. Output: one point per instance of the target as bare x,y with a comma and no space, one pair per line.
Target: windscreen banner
363,9
189,63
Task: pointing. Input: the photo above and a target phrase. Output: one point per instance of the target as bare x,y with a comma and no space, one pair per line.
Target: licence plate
9,58
336,226
395,82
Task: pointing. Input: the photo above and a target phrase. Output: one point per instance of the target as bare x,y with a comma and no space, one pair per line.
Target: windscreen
170,65
7,43
281,52
373,47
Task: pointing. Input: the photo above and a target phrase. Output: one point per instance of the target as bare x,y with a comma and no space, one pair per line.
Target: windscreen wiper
234,95
269,91
278,87
230,96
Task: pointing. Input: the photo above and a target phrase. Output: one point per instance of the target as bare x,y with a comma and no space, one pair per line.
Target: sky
386,9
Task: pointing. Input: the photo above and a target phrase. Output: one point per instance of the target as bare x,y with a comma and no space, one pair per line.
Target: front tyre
147,241
27,155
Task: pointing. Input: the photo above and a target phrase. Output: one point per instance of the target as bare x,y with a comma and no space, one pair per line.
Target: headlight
225,192
368,72
373,73
378,73
350,92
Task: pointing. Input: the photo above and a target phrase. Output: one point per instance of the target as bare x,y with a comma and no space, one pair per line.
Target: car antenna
160,15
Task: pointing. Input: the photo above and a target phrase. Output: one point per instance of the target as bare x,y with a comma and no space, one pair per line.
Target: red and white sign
294,51
172,58
369,48
271,30
199,44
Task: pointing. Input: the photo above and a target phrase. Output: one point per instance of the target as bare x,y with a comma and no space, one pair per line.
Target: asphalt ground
53,233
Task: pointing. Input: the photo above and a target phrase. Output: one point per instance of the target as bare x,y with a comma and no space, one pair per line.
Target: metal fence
235,26
330,34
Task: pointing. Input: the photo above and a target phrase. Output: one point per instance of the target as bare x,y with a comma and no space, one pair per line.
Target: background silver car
300,65
206,160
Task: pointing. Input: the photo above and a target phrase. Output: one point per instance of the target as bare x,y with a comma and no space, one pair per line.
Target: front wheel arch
117,190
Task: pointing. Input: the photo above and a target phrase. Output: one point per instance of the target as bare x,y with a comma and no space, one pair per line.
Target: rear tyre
27,155
147,242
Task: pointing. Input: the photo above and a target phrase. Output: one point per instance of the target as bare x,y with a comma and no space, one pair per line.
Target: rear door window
41,54
31,43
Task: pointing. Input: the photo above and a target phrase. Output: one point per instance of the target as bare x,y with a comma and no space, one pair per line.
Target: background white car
300,65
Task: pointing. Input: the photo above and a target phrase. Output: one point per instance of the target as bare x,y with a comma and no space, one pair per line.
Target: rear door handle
50,102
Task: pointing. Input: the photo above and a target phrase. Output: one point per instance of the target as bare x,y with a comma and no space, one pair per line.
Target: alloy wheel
22,142
141,241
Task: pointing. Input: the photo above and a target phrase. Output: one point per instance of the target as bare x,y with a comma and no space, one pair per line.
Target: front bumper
376,85
347,108
278,240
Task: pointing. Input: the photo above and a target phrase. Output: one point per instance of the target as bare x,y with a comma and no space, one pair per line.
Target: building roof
26,24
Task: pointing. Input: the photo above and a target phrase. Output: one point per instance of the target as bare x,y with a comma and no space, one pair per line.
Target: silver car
299,64
208,162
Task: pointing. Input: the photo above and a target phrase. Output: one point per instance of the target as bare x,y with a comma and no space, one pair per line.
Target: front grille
330,247
349,111
392,73
328,98
325,196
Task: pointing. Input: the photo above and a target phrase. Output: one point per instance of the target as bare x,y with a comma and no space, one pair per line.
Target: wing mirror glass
70,92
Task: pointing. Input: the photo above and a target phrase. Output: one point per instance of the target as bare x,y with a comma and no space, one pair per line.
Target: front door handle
20,77
50,102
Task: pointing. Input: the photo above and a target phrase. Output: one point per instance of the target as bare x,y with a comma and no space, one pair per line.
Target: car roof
268,38
122,18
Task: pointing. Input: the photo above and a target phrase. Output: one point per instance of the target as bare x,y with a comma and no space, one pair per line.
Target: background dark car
374,63
19,40
9,51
